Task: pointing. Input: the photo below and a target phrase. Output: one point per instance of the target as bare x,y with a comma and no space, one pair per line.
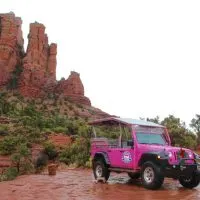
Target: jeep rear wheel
100,170
134,175
152,176
189,182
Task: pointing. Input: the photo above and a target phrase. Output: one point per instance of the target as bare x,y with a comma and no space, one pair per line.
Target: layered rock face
73,88
11,46
37,77
39,64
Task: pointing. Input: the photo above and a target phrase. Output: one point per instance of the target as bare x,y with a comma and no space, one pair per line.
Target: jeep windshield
150,135
149,138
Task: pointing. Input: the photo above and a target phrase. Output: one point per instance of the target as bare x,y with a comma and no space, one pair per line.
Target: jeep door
122,154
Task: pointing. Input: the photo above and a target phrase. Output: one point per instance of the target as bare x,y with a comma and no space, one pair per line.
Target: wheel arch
102,155
152,157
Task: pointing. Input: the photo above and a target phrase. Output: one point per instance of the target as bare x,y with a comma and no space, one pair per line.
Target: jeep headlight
190,154
170,154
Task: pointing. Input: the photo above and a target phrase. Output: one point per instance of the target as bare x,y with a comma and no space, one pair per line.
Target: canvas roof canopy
124,121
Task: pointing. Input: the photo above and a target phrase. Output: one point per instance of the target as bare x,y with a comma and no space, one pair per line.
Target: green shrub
77,153
26,120
22,159
60,129
83,131
49,123
10,174
3,129
65,156
47,130
189,141
6,107
8,145
50,150
30,111
72,127
34,135
89,163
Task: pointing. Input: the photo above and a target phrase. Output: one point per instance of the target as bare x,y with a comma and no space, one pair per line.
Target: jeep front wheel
152,176
100,170
189,182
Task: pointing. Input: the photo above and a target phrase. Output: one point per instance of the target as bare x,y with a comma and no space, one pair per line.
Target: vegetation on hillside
31,122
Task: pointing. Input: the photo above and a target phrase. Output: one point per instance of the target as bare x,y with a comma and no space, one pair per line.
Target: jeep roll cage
133,124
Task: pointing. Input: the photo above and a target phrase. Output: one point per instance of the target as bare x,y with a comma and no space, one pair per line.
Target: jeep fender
103,155
153,157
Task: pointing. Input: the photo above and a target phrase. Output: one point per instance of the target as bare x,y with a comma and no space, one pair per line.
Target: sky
136,58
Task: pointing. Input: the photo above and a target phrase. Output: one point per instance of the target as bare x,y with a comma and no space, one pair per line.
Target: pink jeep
142,149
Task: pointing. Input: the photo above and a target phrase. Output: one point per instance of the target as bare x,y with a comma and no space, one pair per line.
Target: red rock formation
52,61
73,85
60,139
39,64
73,88
38,77
11,45
5,162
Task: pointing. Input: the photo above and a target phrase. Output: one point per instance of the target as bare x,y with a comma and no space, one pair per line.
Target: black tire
190,182
134,175
152,176
101,165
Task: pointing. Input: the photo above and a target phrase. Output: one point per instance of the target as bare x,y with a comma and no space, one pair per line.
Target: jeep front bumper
181,169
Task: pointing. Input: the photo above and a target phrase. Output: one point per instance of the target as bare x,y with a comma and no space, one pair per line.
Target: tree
180,135
195,124
155,119
22,159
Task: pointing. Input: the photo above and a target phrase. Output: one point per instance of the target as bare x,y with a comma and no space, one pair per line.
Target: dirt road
79,185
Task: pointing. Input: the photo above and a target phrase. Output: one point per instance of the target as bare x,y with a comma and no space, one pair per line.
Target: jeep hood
159,148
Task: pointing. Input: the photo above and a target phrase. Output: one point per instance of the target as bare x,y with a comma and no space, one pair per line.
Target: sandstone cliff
33,73
11,46
39,64
73,88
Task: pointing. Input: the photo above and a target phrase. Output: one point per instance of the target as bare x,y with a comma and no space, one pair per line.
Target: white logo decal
126,157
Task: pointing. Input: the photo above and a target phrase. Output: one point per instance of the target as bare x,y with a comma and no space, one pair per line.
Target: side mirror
130,143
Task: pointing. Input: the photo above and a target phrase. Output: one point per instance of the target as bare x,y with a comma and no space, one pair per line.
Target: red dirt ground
79,185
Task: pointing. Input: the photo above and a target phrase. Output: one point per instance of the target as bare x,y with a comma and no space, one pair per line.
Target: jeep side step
113,169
